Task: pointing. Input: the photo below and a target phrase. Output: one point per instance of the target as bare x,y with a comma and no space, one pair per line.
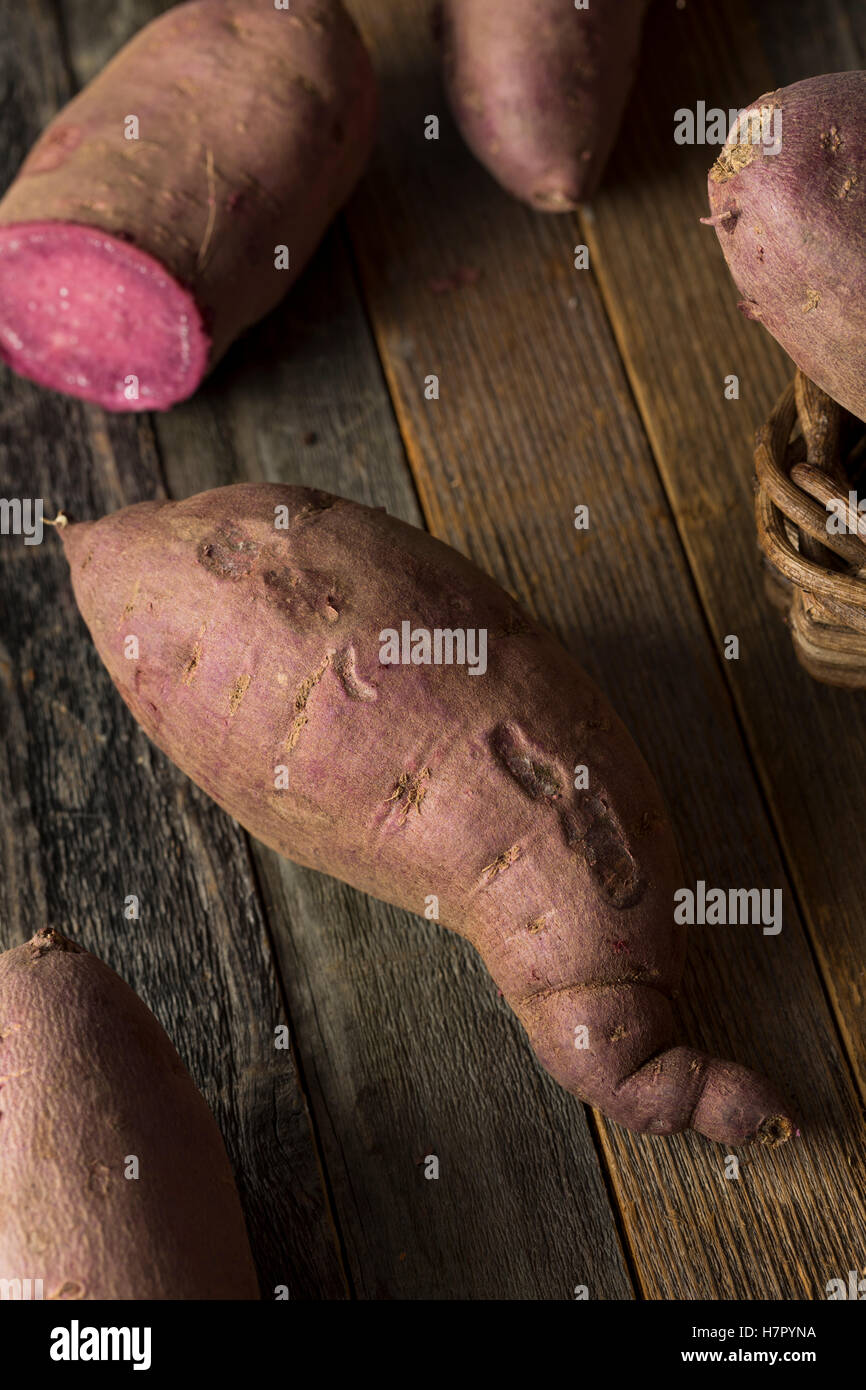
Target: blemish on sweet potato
280,584
831,140
410,791
129,606
305,690
315,502
745,142
501,862
608,856
537,924
619,1032
527,764
238,691
587,823
228,553
810,302
346,669
192,665
306,595
733,158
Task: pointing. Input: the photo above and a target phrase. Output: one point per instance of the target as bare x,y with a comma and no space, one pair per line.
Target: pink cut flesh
87,313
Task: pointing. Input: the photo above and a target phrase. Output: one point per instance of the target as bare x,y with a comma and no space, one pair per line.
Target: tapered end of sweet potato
737,1106
88,314
74,536
47,940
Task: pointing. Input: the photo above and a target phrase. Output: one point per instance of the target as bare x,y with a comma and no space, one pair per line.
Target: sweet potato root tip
776,1130
555,200
736,1106
47,940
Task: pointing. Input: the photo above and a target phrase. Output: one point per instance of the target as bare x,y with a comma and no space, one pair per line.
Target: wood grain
806,739
90,814
405,1046
536,415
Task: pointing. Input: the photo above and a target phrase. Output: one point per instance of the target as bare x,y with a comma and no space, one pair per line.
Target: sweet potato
89,1081
792,225
244,629
128,265
538,90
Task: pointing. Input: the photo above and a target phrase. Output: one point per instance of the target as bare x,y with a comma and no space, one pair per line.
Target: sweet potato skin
87,1078
250,653
538,90
254,125
792,227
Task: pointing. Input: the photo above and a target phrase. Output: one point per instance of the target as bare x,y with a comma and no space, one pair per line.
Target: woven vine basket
810,457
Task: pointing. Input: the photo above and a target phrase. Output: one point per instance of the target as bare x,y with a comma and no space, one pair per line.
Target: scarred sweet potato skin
148,256
88,1079
538,90
792,226
249,651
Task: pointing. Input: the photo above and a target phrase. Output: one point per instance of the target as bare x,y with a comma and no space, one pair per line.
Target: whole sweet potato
143,232
88,1082
788,200
538,90
251,629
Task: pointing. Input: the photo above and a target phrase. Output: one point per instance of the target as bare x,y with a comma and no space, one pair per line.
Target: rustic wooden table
558,387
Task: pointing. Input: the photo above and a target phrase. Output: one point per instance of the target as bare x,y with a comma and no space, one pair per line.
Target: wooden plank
405,1046
90,814
535,415
806,739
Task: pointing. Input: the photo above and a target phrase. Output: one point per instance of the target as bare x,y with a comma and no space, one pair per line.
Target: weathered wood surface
90,813
557,387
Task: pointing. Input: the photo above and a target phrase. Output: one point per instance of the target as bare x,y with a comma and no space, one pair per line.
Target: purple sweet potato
792,225
89,1081
128,265
244,629
538,90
